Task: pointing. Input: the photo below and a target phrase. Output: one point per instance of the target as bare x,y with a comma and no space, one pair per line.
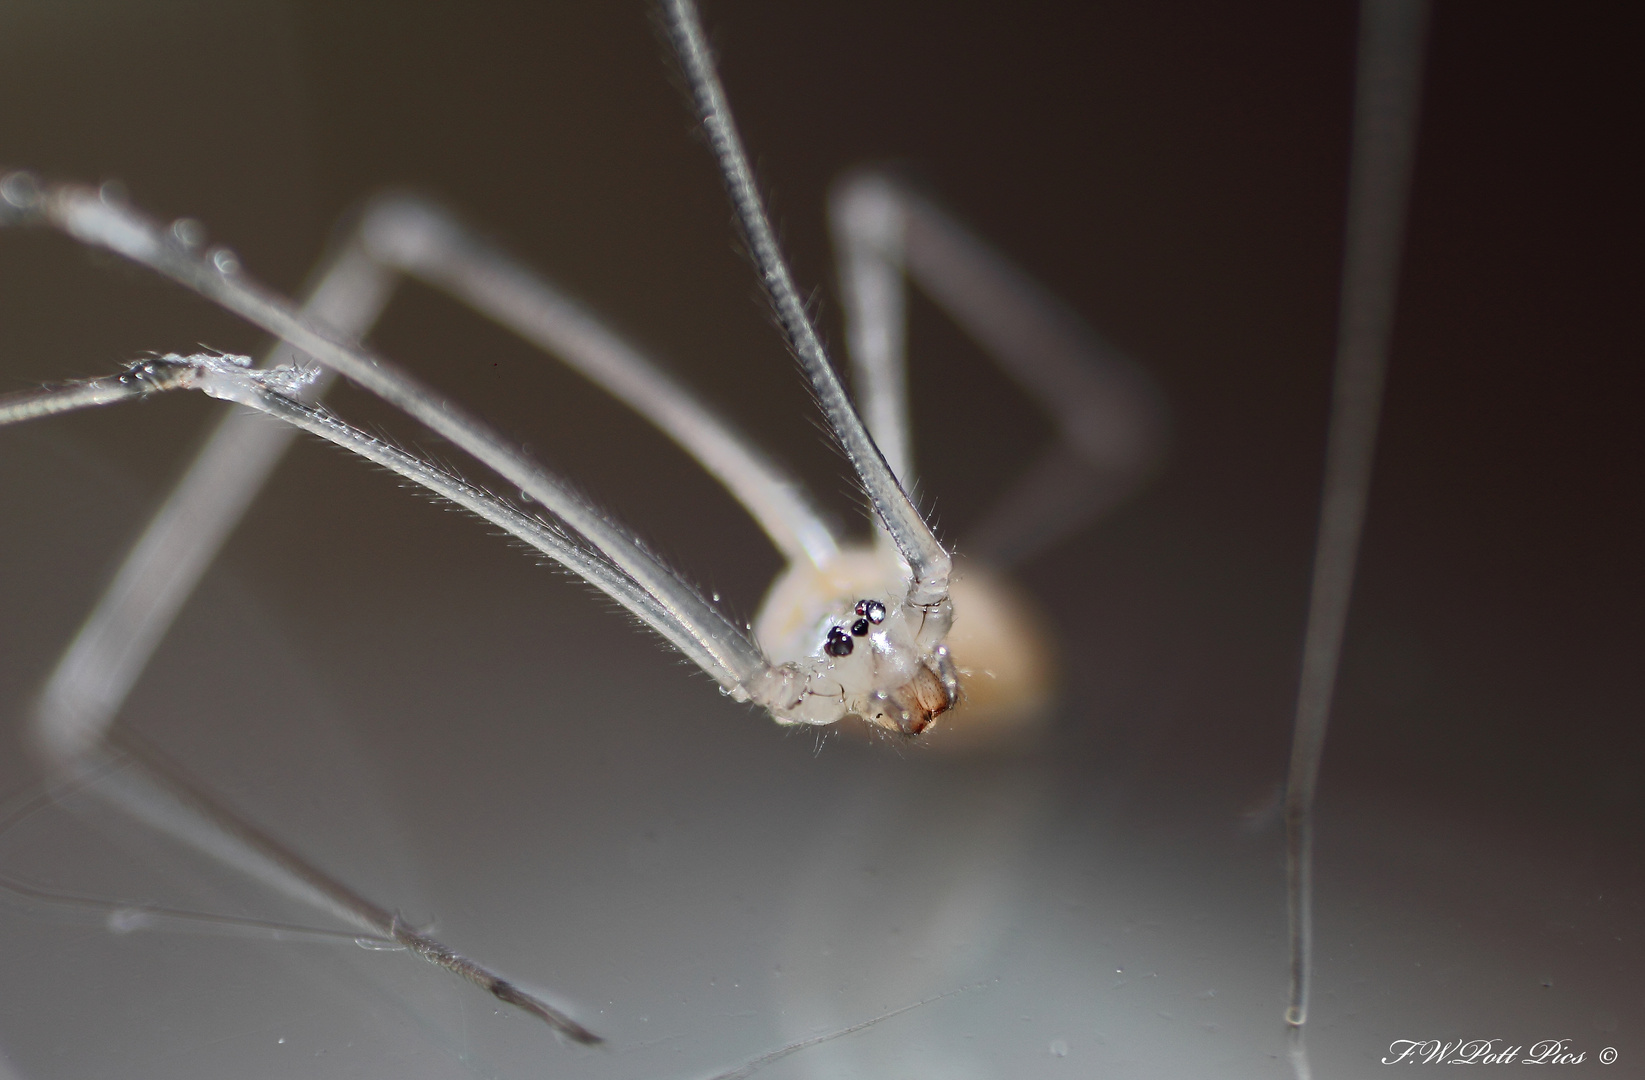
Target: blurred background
470,738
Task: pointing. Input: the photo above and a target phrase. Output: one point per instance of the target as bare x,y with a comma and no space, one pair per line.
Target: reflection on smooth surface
468,737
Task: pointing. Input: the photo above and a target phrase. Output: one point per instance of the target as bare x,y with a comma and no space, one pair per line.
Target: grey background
478,742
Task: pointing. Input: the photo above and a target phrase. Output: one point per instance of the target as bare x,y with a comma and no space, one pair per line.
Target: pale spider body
910,665
577,843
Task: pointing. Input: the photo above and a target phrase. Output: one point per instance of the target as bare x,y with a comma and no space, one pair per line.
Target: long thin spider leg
170,803
590,566
397,234
1386,106
270,391
143,379
27,405
738,664
928,562
1109,415
420,239
126,772
870,233
107,656
1110,418
868,229
160,794
126,917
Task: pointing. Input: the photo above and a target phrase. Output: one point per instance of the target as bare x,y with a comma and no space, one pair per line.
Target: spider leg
870,234
122,770
929,564
1388,93
398,234
141,781
418,238
107,656
231,378
1109,417
733,660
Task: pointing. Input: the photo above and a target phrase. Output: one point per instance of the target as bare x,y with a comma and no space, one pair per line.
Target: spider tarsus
500,988
508,993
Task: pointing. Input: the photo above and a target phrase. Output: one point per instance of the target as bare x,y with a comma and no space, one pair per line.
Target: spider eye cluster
838,643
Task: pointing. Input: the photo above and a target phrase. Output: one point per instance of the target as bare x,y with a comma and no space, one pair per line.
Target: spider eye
859,628
872,610
839,642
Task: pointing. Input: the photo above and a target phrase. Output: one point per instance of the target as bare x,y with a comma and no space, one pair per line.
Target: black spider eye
839,642
859,628
872,610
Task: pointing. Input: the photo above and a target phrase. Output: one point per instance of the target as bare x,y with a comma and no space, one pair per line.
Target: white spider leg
97,671
405,235
868,227
928,562
144,784
272,391
138,380
158,795
737,663
1109,416
1387,99
234,385
426,242
49,401
868,224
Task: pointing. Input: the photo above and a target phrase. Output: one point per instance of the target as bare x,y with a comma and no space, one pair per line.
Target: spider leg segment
686,618
122,770
1388,93
927,560
1109,420
396,235
73,724
723,650
894,669
1109,416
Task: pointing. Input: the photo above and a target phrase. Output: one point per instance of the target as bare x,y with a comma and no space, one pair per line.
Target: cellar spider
651,835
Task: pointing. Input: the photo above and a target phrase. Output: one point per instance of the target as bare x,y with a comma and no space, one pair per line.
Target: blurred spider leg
928,561
1386,106
272,391
397,234
869,227
124,915
166,798
92,679
25,405
867,224
107,656
735,662
161,796
420,239
1109,416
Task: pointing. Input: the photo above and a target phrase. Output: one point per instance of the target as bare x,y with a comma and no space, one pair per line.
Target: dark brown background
1176,173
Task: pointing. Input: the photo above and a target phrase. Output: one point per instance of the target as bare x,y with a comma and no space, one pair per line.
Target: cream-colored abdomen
997,642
